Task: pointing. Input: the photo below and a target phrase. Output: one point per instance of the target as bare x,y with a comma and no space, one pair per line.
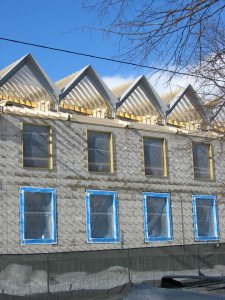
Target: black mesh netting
103,274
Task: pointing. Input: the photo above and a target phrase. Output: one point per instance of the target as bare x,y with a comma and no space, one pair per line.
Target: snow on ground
22,280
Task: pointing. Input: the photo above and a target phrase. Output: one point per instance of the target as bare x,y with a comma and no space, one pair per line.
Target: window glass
101,216
38,226
205,217
99,152
102,220
38,218
154,157
36,146
37,215
157,217
201,160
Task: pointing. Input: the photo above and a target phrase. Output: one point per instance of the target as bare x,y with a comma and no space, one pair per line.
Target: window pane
99,157
38,215
36,146
101,203
201,161
35,162
102,216
98,160
101,225
37,226
205,217
157,217
153,155
37,202
98,140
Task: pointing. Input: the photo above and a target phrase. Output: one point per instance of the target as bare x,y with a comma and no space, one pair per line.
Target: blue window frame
206,221
38,215
102,216
157,217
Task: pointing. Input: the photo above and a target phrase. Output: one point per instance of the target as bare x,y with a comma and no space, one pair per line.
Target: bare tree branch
145,26
182,35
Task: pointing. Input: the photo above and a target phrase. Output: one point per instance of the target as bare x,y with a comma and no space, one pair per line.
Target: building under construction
101,188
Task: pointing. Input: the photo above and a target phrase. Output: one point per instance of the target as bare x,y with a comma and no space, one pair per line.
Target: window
38,215
100,152
102,216
206,221
202,160
157,217
37,146
155,157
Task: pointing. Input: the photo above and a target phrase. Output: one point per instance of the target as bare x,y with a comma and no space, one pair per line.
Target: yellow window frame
210,159
110,150
50,150
164,157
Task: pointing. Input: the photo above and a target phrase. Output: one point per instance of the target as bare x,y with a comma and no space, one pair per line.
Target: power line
104,58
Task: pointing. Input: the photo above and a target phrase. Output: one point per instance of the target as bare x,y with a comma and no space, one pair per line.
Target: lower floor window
206,223
102,216
157,217
38,215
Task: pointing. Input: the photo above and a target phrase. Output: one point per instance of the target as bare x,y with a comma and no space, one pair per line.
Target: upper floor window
102,216
206,222
100,152
37,146
202,160
155,157
157,217
37,215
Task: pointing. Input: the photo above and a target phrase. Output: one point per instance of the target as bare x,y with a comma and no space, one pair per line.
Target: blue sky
60,24
57,23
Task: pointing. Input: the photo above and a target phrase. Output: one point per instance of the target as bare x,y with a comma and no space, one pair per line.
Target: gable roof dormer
85,91
217,108
187,108
139,98
25,82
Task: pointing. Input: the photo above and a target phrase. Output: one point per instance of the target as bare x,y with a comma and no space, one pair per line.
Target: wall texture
71,178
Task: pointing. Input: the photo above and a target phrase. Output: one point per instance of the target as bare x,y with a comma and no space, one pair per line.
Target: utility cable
105,58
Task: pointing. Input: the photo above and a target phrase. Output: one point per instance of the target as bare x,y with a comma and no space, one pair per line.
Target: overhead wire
105,58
